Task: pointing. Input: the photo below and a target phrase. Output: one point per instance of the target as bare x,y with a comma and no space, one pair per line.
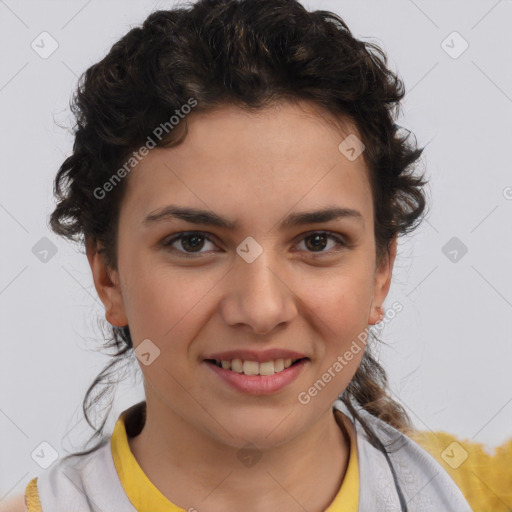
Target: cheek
163,303
344,341
341,299
341,321
339,309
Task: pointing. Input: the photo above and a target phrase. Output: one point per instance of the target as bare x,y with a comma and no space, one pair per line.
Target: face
306,289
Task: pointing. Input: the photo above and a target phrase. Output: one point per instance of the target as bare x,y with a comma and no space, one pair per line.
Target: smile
256,378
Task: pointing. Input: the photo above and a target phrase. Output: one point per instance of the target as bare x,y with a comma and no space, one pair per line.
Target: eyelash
167,244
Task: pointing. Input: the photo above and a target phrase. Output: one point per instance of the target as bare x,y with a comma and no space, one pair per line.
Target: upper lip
260,356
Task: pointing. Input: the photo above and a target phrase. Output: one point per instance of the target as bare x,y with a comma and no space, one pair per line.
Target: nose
259,296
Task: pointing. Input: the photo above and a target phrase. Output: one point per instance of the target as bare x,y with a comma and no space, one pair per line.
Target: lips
258,384
257,371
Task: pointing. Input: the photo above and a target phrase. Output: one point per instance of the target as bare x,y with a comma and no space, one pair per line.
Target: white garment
90,483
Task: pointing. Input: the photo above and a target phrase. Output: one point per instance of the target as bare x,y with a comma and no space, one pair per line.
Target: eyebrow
206,217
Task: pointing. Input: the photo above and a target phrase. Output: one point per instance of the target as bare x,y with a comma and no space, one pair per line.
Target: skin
254,168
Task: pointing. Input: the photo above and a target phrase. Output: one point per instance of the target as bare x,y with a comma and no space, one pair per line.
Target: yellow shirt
145,497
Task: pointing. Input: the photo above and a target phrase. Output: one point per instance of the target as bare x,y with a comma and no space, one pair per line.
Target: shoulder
484,475
66,481
14,504
398,462
84,482
26,502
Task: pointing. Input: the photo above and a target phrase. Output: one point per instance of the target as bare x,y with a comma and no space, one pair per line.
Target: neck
185,462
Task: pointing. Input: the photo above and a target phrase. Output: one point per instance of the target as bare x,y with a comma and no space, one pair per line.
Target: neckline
146,497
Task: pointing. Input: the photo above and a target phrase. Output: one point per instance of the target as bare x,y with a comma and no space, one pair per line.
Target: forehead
272,160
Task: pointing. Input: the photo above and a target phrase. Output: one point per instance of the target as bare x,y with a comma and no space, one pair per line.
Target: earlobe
382,283
106,282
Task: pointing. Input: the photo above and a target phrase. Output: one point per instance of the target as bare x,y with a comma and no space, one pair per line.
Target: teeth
278,365
236,365
251,368
255,368
266,368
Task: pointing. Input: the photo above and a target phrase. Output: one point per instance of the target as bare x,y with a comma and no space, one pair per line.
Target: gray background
449,350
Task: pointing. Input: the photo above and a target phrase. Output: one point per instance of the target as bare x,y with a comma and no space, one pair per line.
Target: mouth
257,378
248,367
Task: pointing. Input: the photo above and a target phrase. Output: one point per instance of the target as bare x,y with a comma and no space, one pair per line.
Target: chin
265,432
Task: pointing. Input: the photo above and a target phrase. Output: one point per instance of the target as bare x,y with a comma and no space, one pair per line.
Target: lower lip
259,384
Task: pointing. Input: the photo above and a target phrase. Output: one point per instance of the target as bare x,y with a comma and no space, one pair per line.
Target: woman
239,184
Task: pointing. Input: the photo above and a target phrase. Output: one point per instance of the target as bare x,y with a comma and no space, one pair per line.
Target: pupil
319,237
193,245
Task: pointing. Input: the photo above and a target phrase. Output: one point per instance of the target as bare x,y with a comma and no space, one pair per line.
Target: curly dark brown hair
252,54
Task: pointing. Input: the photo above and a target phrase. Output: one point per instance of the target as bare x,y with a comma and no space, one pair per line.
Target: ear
382,283
106,282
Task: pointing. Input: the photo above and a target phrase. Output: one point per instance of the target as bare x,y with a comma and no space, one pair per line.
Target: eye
191,243
318,240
